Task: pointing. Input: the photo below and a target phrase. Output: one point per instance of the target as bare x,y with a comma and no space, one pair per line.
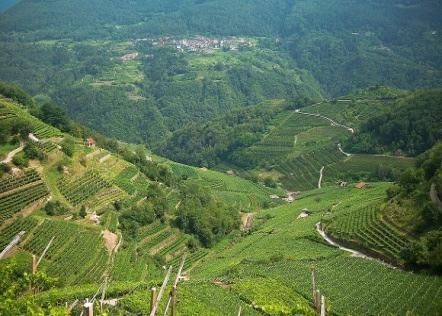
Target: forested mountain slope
72,52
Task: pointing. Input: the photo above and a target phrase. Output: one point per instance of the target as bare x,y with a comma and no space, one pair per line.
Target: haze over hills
275,158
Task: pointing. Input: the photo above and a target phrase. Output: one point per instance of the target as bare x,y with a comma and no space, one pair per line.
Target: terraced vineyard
6,113
26,224
236,191
46,147
302,172
17,192
364,226
191,259
355,286
283,248
181,170
370,165
142,267
76,254
14,182
38,128
80,189
131,180
106,196
281,140
42,130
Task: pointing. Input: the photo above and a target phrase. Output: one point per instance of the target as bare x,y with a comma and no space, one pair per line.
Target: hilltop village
201,44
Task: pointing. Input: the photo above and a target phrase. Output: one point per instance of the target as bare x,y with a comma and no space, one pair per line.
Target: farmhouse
90,142
291,197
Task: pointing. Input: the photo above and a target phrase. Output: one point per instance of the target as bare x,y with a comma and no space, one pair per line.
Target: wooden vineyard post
161,292
318,300
173,294
34,264
45,250
88,308
315,303
12,244
239,311
322,305
153,297
103,293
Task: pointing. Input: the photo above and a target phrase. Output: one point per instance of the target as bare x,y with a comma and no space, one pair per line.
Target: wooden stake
322,305
44,251
34,264
153,297
239,311
173,296
103,293
318,300
12,244
71,307
161,292
88,308
315,303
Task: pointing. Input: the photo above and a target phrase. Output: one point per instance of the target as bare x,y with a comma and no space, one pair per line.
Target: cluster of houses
201,44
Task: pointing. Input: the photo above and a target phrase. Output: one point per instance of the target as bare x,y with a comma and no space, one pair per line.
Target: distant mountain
71,51
7,4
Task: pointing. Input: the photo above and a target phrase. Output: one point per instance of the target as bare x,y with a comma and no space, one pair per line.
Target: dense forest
70,51
410,127
415,205
221,140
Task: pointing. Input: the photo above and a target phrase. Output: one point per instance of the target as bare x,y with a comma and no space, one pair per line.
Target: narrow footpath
13,153
333,123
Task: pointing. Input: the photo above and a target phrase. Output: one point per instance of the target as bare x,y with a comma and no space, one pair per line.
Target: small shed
230,172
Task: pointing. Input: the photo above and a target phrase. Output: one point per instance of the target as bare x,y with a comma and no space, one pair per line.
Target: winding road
321,174
12,153
354,253
342,151
333,123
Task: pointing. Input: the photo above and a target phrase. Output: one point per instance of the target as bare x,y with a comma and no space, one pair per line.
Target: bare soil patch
110,240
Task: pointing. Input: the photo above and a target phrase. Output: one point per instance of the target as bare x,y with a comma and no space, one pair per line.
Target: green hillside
220,157
291,141
116,212
162,64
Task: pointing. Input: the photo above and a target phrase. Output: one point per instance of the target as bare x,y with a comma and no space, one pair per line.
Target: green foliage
68,146
419,190
54,208
14,287
220,140
15,93
201,214
53,115
411,126
20,161
32,151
